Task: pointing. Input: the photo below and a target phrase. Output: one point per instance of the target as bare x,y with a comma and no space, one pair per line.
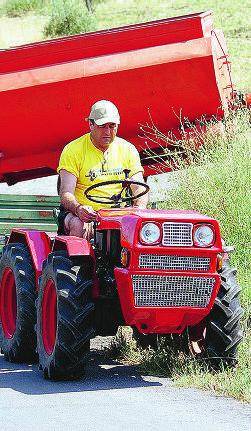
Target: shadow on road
101,374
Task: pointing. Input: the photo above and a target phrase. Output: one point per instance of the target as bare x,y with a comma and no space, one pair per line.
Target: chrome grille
177,234
172,291
186,263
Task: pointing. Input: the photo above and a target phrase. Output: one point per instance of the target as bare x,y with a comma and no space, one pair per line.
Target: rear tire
222,330
17,304
64,319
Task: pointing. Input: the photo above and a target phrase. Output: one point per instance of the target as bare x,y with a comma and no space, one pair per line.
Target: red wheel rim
8,303
49,316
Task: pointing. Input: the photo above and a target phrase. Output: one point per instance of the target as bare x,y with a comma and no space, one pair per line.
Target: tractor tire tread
224,332
74,320
22,346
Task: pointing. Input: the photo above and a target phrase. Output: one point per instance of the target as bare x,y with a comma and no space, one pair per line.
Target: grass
15,8
218,184
232,382
69,17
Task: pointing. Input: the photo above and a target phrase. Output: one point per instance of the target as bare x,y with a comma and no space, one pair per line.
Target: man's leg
74,226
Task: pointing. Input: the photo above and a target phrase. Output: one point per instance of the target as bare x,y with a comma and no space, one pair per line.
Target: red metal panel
160,320
128,220
122,39
73,245
38,243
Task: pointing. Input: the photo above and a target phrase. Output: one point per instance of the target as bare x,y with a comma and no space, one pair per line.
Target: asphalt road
111,397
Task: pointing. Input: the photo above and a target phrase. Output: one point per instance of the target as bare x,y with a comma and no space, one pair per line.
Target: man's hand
86,213
143,200
68,184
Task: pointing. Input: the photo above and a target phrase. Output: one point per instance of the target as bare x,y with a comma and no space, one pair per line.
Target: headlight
203,235
150,233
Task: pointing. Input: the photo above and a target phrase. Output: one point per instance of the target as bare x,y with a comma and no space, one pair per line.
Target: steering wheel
115,199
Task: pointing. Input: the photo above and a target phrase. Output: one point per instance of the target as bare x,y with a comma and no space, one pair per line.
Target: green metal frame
29,211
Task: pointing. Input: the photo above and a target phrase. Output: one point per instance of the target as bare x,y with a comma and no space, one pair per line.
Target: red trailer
158,271
171,69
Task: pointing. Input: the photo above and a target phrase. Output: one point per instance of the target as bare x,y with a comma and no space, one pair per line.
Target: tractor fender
82,250
37,242
73,245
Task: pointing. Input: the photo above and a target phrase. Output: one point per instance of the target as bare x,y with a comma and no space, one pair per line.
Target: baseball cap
103,112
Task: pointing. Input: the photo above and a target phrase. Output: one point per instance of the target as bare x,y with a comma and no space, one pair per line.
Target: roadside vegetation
216,183
15,8
69,17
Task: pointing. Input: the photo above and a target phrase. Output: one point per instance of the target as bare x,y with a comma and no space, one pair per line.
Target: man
93,158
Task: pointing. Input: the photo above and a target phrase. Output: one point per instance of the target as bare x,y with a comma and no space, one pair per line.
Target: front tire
222,330
17,304
64,319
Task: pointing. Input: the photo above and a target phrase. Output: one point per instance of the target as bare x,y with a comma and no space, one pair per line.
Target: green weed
15,8
124,348
69,17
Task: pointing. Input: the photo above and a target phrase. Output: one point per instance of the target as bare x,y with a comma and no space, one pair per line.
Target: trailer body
163,71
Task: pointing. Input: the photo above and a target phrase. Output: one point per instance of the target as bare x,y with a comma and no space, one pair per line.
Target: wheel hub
8,303
49,316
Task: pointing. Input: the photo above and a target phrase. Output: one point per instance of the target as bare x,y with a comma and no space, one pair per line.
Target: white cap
103,112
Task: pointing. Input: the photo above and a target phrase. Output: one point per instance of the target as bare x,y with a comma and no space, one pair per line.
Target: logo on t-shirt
95,173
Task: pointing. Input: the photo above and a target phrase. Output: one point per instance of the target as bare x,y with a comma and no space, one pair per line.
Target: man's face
102,136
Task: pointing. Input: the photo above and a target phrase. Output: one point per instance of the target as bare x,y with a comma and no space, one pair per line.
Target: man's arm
143,200
68,200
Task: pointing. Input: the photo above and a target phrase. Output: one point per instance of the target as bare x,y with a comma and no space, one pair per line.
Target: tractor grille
177,234
186,263
172,291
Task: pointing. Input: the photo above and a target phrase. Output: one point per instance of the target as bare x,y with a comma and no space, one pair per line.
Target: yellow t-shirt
91,166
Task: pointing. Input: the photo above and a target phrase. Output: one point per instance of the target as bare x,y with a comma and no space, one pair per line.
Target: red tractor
158,271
